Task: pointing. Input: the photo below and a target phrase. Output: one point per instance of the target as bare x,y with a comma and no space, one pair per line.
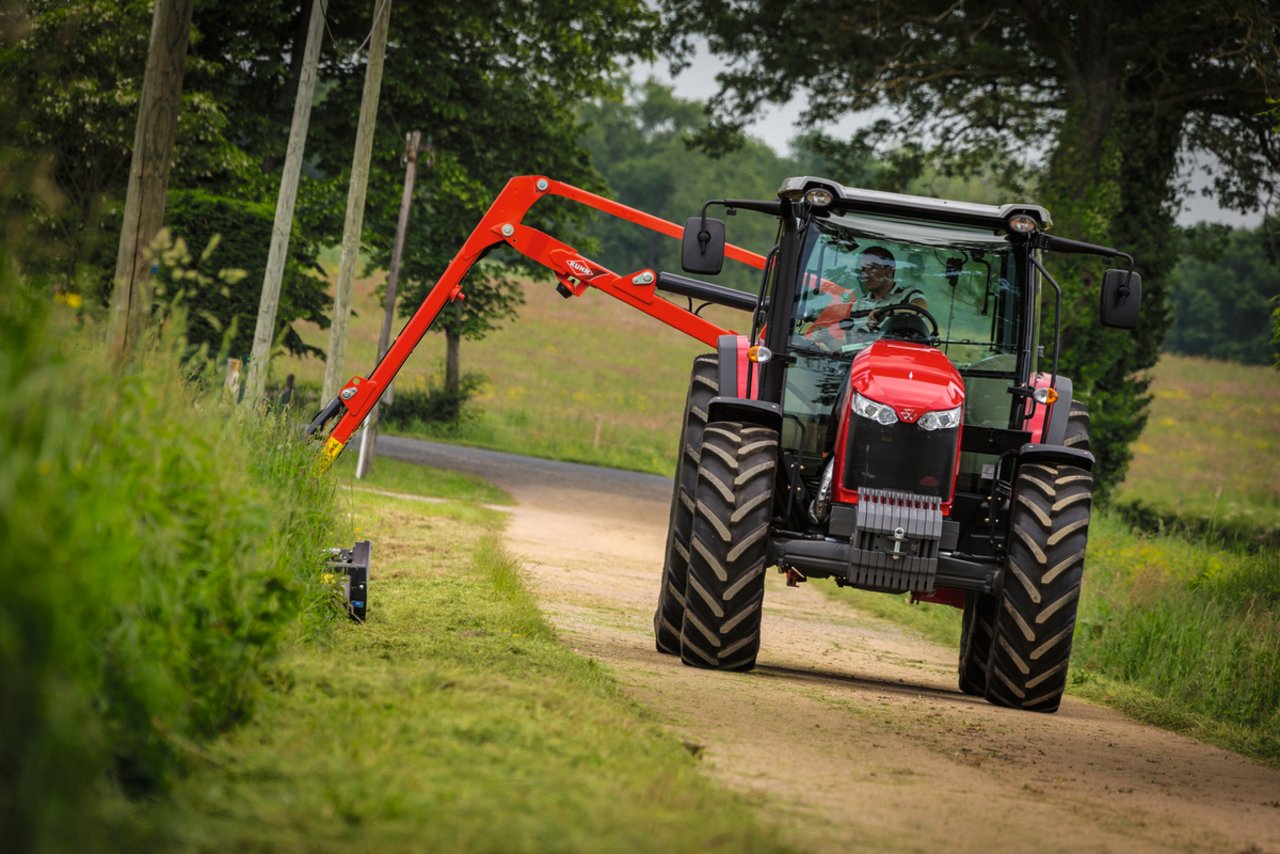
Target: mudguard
731,350
759,412
1055,432
1055,455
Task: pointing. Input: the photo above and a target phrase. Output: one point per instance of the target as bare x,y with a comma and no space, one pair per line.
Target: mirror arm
704,236
1063,244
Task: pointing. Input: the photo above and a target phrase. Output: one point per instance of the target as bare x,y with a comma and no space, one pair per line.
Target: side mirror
702,249
1121,295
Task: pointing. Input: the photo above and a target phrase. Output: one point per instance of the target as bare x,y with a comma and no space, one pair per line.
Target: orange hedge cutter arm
502,225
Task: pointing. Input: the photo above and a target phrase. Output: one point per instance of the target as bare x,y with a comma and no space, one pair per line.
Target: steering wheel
909,334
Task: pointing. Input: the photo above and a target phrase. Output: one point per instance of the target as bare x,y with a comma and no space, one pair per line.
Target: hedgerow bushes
157,544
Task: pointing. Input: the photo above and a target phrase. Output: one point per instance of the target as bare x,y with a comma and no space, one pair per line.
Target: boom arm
575,273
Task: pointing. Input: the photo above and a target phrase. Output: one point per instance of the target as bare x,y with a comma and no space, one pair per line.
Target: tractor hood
911,378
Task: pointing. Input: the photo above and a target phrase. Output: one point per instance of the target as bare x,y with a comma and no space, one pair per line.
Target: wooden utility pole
264,332
369,438
153,139
334,378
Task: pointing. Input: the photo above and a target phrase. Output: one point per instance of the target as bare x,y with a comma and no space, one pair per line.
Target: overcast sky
778,125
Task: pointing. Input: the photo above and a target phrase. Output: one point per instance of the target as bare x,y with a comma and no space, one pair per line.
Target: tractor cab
912,292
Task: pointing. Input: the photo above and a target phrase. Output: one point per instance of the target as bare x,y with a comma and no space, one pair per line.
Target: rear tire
1048,532
704,384
734,505
976,635
1077,435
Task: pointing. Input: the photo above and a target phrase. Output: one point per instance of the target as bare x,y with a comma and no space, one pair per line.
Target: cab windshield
868,277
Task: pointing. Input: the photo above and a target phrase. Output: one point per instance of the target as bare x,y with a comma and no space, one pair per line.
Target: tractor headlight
942,419
877,412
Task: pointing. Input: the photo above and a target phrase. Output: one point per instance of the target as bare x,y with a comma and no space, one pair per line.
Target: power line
378,13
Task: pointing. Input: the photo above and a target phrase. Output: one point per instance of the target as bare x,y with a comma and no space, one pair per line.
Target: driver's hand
873,319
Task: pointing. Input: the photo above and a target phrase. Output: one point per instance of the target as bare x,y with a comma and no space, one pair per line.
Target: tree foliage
1222,292
76,70
640,145
495,89
222,312
1097,103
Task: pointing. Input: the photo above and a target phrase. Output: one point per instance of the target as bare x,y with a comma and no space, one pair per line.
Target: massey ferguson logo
907,414
582,268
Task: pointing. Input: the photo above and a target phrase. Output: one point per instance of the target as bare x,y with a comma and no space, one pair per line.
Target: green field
586,379
1210,449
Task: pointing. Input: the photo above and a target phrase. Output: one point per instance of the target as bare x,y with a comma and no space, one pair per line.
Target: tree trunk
153,139
335,357
453,340
278,253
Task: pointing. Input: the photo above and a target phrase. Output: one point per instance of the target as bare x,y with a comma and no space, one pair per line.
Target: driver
876,269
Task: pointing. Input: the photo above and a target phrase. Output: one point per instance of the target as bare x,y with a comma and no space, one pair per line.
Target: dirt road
851,734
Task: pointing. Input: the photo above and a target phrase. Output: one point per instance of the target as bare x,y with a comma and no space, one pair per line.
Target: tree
494,101
1221,293
75,73
640,146
1114,94
150,163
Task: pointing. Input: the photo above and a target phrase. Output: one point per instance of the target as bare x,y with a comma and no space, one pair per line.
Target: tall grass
157,546
1194,625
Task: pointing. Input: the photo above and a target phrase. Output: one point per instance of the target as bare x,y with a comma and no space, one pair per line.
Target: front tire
1049,529
734,506
704,384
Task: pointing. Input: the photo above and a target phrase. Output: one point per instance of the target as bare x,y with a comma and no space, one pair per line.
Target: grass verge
453,720
1184,633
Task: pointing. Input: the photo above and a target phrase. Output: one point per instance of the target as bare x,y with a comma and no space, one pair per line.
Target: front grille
900,457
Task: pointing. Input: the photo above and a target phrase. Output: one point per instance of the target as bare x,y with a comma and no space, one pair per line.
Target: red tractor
886,419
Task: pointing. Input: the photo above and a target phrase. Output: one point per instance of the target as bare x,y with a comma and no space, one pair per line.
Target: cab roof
901,204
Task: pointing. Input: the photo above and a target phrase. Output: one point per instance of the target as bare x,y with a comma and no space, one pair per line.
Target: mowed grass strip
454,720
390,475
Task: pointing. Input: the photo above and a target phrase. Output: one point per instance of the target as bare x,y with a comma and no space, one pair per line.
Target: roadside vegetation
158,545
454,720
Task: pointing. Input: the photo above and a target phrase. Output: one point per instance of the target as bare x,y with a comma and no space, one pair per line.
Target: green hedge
158,544
217,308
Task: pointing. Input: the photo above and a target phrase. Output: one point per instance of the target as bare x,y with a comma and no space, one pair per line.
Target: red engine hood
911,378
